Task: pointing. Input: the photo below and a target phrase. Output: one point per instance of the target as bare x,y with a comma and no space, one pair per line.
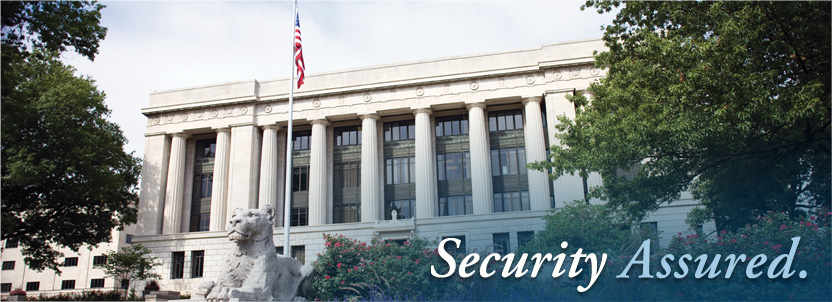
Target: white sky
154,46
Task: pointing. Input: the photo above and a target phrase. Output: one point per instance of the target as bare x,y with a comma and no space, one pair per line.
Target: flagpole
287,204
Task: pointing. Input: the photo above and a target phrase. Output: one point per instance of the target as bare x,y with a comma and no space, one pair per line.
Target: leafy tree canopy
131,263
66,180
728,100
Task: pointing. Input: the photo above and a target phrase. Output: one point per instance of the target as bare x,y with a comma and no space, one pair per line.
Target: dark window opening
71,261
68,284
501,243
451,248
177,268
97,283
197,263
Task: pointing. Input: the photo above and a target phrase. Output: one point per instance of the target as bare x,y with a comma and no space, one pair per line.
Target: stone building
434,148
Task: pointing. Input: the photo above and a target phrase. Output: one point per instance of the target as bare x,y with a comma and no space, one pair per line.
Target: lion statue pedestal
253,271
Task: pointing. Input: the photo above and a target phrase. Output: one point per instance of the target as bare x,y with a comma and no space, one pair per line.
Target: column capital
324,122
181,134
371,116
470,106
222,129
422,110
273,126
535,99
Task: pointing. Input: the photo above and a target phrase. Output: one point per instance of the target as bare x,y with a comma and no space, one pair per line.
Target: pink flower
355,268
398,257
327,244
417,261
327,277
342,282
765,243
337,244
409,273
733,241
809,224
339,265
782,227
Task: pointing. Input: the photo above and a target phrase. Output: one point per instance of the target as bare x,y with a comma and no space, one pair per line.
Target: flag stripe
301,66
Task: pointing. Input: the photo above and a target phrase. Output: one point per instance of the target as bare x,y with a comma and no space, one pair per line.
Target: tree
729,100
131,263
66,180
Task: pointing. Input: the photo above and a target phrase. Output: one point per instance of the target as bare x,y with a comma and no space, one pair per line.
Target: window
197,263
501,243
345,213
298,252
511,201
128,239
10,243
32,286
453,166
456,205
68,284
650,228
524,237
399,131
404,208
8,265
125,283
401,170
452,125
347,175
177,268
300,140
300,216
71,261
508,161
505,120
99,260
451,248
348,136
5,287
300,179
206,182
206,148
97,283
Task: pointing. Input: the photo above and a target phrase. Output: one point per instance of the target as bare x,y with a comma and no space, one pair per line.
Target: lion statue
253,271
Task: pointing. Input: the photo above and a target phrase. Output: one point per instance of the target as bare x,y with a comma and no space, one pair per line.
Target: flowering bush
17,292
352,270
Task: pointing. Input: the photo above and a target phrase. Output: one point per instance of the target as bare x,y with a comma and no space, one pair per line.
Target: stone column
268,169
481,182
219,189
244,168
426,198
536,151
176,184
567,187
154,181
317,173
370,197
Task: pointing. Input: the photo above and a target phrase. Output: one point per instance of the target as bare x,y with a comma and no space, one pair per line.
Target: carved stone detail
367,97
316,103
474,85
420,91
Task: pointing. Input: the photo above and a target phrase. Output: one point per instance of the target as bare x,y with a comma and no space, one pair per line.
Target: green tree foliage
66,180
729,100
131,263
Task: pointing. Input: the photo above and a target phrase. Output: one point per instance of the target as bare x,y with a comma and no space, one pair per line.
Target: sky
156,46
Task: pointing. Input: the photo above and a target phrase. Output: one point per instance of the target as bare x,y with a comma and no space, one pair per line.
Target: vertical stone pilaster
154,182
536,151
268,170
481,182
219,188
370,197
426,192
317,174
175,184
244,168
567,187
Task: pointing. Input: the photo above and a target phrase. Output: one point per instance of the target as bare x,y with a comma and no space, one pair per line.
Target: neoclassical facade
433,148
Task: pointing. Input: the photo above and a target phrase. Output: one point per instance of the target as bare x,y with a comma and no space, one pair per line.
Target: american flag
299,52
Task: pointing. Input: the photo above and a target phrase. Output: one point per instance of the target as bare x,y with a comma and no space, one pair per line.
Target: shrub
17,292
95,295
349,269
151,285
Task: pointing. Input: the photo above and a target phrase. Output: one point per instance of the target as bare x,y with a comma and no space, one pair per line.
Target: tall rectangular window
8,265
68,284
203,181
399,131
524,237
197,263
508,161
97,283
347,175
501,243
300,216
401,170
451,247
71,261
452,125
32,286
99,260
5,287
301,140
456,205
452,166
348,136
300,179
177,267
505,120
